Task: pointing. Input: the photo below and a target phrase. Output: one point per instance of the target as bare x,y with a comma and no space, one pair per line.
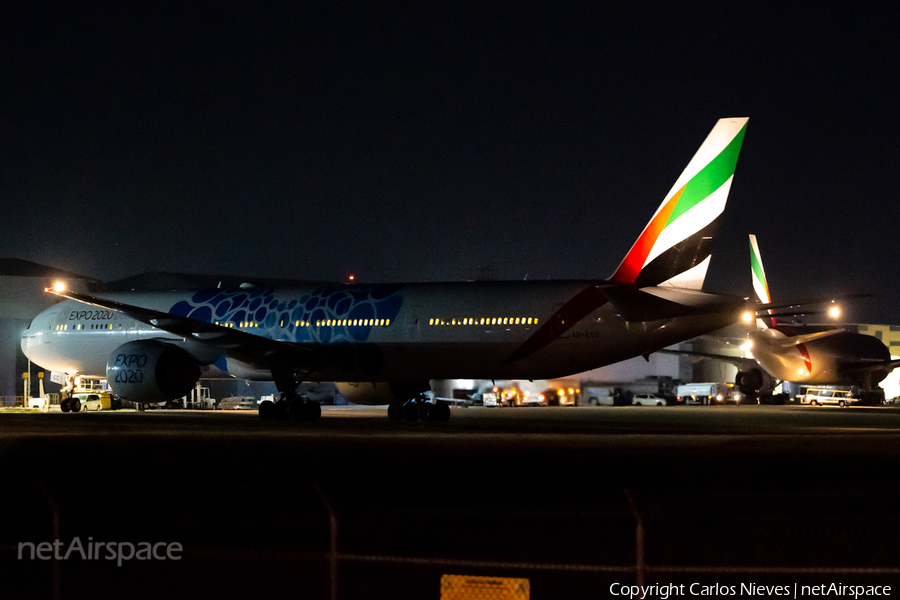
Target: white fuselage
503,330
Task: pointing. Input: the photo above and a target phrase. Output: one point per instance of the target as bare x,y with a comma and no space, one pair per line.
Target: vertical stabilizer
760,285
676,245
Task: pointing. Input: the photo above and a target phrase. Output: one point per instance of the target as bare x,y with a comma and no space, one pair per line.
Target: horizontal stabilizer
742,363
655,303
885,367
810,302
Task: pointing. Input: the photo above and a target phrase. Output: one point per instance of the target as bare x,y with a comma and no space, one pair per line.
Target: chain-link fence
371,541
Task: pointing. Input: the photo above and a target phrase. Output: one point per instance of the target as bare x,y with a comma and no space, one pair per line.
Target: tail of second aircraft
760,285
676,245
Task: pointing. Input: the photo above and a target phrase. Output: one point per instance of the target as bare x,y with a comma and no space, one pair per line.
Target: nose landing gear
291,406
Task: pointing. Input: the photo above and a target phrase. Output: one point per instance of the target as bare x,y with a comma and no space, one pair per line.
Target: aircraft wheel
426,411
312,411
281,409
296,411
441,412
395,411
267,410
76,405
411,411
65,404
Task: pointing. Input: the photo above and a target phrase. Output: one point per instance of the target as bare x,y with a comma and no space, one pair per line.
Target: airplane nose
32,337
29,340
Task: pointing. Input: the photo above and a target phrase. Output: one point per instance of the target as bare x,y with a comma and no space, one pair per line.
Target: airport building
22,297
888,334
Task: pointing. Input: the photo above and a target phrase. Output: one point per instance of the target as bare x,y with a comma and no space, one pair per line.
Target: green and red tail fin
676,245
760,285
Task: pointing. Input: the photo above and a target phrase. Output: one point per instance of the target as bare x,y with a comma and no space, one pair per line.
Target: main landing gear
291,409
291,406
419,408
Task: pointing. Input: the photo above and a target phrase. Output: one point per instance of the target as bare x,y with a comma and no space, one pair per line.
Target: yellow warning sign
474,587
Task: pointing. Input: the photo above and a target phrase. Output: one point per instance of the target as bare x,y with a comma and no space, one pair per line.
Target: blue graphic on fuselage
275,317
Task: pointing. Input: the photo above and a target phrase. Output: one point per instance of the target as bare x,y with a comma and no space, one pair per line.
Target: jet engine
151,371
753,381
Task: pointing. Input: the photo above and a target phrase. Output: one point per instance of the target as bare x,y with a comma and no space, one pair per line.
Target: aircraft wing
241,345
739,361
879,367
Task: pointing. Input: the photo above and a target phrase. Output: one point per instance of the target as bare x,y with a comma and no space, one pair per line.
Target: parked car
93,401
537,401
648,400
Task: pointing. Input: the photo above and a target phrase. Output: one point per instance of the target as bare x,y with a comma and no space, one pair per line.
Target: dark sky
407,144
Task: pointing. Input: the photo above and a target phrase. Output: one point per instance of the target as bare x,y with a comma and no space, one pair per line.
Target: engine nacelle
753,381
151,371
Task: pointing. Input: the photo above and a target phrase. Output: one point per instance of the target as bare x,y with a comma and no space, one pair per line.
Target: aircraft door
414,323
52,321
557,321
131,330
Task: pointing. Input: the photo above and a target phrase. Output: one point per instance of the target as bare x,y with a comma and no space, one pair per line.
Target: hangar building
22,297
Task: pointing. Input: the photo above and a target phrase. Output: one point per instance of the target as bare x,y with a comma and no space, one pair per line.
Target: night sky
429,142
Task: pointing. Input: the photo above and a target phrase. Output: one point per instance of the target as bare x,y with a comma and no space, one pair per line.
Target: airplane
384,343
804,354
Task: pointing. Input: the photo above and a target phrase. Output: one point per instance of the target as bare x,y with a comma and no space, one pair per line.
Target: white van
817,396
596,396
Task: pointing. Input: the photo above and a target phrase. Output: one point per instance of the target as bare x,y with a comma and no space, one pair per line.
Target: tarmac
354,506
